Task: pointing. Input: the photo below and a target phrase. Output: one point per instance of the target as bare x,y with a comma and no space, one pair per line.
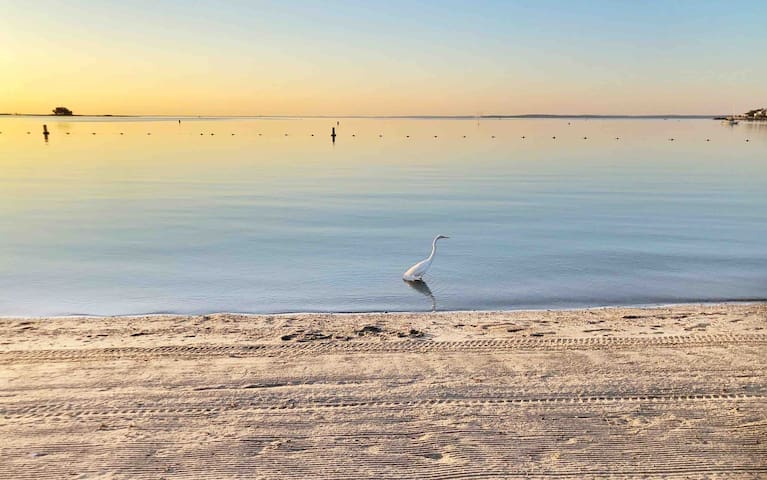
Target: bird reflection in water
421,287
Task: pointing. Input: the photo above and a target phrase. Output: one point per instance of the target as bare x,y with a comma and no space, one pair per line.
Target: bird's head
441,236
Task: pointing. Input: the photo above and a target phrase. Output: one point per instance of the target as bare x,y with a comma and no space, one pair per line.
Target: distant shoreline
458,117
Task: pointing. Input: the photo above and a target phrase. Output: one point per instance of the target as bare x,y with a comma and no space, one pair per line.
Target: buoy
232,134
200,133
379,136
212,133
312,134
617,138
708,139
747,140
553,138
353,135
435,136
585,138
286,134
148,133
492,136
259,134
68,133
120,133
93,133
523,137
407,136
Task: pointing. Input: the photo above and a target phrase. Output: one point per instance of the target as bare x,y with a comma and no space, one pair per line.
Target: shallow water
124,222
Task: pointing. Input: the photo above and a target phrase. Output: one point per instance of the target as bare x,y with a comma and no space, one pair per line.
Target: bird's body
417,271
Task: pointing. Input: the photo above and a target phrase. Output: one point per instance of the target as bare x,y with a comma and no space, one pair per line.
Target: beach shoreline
643,306
673,392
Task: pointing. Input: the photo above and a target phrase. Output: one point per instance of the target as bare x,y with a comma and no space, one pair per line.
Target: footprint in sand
697,327
540,334
301,336
434,456
368,330
413,333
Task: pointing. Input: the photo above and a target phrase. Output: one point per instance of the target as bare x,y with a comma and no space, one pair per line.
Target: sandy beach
673,392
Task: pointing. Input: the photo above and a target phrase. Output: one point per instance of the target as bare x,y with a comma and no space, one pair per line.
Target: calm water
259,221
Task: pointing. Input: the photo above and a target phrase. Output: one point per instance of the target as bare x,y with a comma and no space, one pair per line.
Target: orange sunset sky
393,58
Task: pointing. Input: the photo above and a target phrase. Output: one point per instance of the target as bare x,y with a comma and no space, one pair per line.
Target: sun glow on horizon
447,59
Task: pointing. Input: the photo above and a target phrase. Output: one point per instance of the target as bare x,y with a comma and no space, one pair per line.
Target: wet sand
676,392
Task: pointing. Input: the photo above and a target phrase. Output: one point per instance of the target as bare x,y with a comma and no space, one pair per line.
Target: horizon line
458,116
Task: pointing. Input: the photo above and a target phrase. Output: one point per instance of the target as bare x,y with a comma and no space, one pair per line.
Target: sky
395,57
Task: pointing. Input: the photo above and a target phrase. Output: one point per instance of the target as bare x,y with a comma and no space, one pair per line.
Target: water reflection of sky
141,215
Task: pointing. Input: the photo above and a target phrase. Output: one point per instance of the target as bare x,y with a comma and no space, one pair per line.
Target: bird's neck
433,249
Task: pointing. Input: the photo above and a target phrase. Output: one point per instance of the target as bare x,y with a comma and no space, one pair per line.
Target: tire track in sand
406,346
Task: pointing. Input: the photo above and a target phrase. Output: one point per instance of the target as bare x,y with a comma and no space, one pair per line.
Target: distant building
62,111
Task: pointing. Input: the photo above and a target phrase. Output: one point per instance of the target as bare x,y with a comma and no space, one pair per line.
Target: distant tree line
62,111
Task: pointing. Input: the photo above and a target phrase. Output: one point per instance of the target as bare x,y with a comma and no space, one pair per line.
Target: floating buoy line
523,137
380,135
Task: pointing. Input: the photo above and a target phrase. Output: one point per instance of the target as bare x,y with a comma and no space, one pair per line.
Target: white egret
419,269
